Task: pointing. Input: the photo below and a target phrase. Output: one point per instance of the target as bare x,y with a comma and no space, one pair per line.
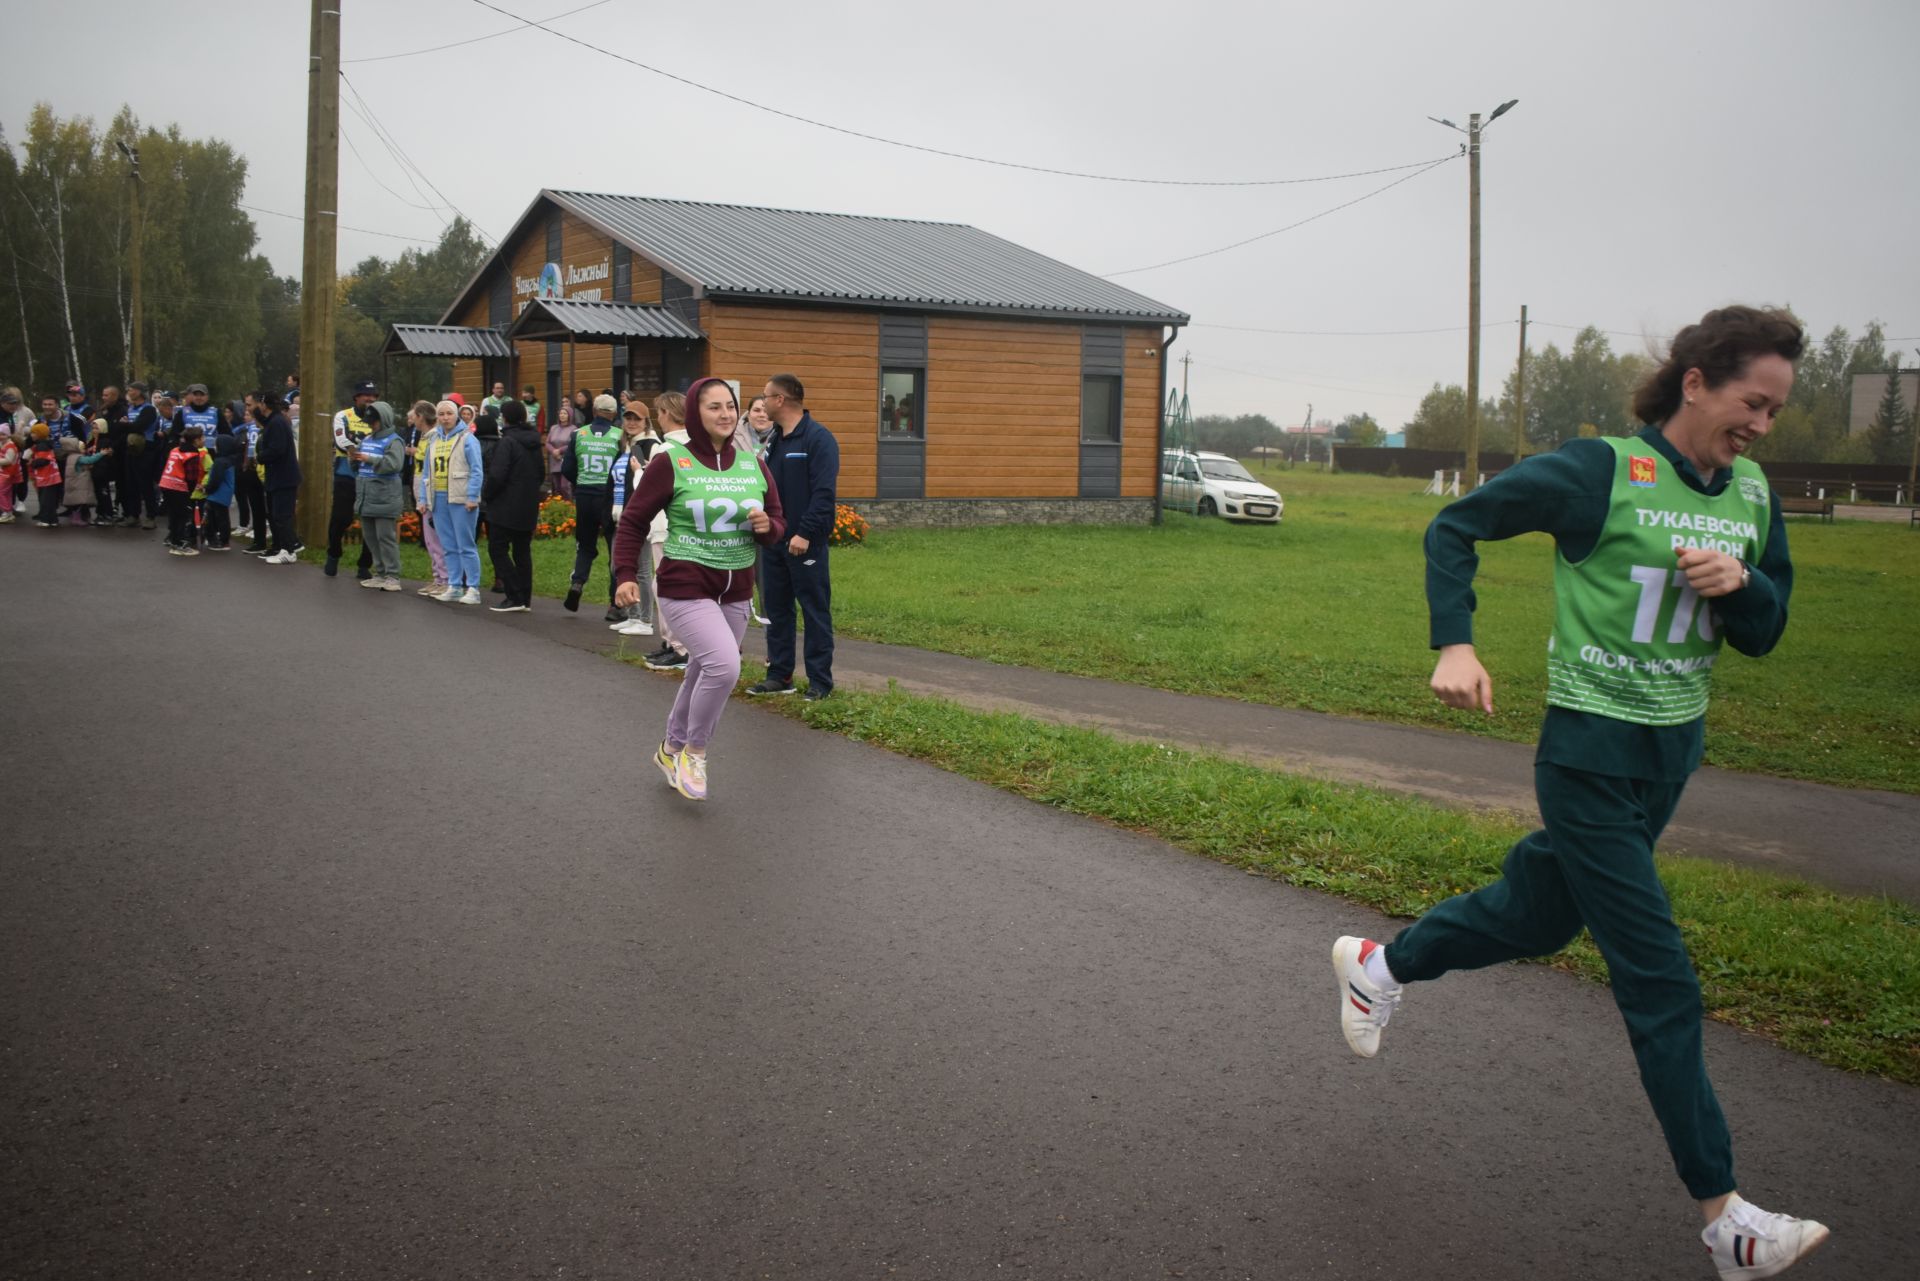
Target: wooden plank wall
836,354
1003,409
1141,398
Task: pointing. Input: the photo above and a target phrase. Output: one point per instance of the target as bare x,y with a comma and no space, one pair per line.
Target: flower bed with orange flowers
849,527
555,519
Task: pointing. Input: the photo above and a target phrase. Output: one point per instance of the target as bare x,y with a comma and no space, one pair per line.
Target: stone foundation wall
947,513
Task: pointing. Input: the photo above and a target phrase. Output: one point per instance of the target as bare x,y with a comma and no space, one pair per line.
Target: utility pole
1520,392
139,370
1186,363
317,278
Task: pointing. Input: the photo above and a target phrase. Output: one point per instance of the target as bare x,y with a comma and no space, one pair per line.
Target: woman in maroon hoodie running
721,507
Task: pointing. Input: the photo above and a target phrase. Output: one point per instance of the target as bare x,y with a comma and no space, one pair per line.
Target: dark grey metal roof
555,320
445,340
786,253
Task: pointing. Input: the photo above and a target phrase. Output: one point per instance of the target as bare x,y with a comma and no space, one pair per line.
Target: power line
400,153
414,53
347,137
1208,253
365,231
940,151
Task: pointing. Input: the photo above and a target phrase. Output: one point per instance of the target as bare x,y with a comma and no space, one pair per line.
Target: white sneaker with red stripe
1747,1242
1365,1007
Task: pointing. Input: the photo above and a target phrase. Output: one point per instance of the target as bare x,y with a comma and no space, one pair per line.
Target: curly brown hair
1720,345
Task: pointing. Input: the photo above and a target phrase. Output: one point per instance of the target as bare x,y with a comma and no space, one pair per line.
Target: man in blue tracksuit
804,460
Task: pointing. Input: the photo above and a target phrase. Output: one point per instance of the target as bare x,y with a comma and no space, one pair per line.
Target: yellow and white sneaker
690,775
668,766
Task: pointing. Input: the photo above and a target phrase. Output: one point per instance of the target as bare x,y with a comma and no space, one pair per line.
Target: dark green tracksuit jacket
1606,788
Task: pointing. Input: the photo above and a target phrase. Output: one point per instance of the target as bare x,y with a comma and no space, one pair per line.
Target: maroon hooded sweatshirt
686,579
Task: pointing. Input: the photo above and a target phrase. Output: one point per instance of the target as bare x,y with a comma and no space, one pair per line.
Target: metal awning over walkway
556,320
454,341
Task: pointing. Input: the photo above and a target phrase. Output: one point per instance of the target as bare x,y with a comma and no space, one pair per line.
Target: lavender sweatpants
712,633
431,537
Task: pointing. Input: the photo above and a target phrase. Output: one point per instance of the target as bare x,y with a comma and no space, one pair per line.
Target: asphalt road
350,935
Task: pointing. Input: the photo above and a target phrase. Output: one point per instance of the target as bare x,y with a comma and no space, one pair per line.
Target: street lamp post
1474,132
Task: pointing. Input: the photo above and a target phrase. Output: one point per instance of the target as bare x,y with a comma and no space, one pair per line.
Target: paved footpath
349,935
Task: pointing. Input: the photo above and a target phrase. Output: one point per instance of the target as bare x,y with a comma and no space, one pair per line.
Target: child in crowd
379,497
185,472
90,479
43,466
79,480
421,417
9,471
216,526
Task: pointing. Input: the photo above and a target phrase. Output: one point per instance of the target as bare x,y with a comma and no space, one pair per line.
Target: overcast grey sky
1664,158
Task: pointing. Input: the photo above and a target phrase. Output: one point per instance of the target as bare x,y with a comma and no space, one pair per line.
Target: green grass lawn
1327,611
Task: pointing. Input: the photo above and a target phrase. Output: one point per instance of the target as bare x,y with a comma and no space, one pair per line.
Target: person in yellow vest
1667,544
455,477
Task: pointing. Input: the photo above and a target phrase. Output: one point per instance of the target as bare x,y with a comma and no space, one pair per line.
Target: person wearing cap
350,426
588,466
78,406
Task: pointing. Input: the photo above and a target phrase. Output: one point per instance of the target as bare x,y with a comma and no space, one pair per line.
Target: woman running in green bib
1667,543
721,508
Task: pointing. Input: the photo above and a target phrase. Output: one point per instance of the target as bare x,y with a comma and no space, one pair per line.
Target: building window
901,395
1100,409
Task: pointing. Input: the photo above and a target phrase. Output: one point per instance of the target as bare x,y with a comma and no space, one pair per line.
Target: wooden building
966,378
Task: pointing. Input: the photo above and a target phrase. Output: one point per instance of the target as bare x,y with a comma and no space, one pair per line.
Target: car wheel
1207,508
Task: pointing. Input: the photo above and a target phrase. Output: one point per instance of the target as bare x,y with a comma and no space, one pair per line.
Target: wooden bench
1808,506
1913,519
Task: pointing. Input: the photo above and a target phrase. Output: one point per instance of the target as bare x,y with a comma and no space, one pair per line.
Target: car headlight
1248,496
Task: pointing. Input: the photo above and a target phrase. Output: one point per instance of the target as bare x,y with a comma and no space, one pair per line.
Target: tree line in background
1256,435
213,309
1587,390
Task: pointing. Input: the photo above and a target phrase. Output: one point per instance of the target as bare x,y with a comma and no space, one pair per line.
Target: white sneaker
432,589
376,582
448,594
759,620
390,585
469,597
245,531
1748,1242
634,627
1364,1007
280,558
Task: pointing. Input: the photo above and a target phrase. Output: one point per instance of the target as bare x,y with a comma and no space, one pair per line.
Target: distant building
1866,393
967,378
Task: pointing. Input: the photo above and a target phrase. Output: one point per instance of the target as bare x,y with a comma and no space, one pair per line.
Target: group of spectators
686,516
216,471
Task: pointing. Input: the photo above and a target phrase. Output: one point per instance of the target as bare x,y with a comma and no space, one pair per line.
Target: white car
1216,485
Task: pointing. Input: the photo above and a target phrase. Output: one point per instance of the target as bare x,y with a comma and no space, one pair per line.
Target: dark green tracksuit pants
1593,866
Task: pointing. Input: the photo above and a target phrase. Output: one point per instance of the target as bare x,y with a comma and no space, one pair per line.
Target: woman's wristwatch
1746,574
